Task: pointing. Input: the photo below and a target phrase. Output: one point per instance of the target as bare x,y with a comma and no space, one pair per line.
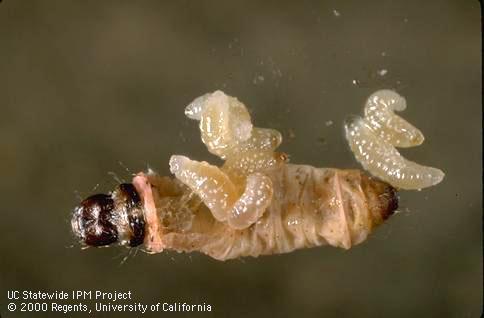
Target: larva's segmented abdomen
373,140
310,207
256,203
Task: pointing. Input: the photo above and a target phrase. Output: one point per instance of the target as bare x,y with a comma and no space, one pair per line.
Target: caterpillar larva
255,204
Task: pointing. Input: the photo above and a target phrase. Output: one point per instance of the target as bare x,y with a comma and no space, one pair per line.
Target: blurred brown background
87,84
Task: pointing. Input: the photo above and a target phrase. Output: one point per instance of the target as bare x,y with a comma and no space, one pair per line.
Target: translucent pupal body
374,137
310,207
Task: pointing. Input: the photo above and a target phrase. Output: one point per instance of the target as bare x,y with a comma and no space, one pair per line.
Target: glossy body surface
373,139
255,204
88,84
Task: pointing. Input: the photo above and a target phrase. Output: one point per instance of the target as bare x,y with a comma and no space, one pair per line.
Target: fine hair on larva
257,203
373,140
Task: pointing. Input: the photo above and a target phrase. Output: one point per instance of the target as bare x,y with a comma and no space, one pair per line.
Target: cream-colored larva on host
256,203
374,137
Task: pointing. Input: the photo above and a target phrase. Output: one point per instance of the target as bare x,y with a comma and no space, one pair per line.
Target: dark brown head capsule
92,221
106,219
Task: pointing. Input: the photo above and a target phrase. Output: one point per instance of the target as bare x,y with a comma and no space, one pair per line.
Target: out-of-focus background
93,87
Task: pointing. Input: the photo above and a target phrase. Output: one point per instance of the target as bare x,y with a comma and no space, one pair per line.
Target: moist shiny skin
256,203
324,206
374,138
91,221
104,219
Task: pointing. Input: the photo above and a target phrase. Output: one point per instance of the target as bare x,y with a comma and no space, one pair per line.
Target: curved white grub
381,158
253,202
220,194
213,186
256,203
379,113
224,121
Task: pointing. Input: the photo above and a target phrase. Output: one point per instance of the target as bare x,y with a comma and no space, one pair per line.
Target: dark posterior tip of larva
92,221
382,198
390,202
